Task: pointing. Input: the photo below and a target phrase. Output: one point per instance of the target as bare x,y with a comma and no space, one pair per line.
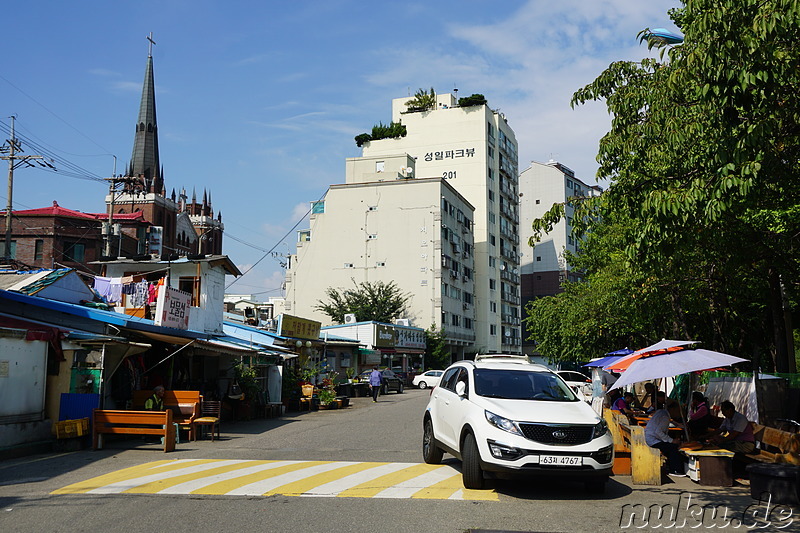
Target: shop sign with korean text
301,328
409,337
172,308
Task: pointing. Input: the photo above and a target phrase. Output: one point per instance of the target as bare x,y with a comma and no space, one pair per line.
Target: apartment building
384,224
475,150
545,267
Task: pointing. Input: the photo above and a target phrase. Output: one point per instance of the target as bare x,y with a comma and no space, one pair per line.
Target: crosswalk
342,479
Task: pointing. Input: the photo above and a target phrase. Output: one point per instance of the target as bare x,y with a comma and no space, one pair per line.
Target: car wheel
596,485
422,385
431,453
471,471
400,389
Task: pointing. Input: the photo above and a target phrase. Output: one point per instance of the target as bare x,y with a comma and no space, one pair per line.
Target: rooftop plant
472,100
382,131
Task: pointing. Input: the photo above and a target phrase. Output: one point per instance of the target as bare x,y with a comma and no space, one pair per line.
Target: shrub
472,100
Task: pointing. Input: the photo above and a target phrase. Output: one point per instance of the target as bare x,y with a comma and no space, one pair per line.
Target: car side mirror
461,389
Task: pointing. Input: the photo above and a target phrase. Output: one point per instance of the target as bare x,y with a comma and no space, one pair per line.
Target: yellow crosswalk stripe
372,488
441,490
289,478
129,473
225,487
162,484
306,485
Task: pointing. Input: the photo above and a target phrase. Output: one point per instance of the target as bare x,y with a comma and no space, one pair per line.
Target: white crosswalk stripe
334,488
292,478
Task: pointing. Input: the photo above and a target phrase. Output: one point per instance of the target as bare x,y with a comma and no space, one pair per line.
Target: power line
268,252
54,114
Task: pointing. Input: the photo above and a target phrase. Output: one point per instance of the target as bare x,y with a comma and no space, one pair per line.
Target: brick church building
140,218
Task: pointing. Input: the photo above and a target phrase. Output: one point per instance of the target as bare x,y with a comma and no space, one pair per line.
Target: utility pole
108,228
11,147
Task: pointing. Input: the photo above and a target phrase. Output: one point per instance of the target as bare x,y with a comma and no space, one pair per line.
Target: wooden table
711,467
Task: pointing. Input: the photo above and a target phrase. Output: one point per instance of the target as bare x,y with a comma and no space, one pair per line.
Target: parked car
429,378
506,415
580,383
390,381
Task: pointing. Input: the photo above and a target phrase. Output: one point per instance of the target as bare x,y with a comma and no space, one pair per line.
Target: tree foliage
436,354
472,100
380,131
423,101
370,301
703,156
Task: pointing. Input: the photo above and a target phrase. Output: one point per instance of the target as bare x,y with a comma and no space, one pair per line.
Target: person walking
375,382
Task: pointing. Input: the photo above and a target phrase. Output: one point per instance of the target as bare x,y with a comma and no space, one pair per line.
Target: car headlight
503,423
600,429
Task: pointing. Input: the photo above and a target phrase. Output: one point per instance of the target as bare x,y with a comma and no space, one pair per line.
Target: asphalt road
389,431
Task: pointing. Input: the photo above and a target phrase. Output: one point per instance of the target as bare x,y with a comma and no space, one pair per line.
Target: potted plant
245,377
351,374
327,393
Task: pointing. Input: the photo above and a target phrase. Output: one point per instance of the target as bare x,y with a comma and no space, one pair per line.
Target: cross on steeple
150,46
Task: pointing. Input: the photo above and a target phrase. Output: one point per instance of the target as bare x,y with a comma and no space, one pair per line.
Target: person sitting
656,435
624,404
700,416
156,401
659,403
735,433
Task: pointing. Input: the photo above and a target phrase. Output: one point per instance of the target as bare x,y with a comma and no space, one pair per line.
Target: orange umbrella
661,347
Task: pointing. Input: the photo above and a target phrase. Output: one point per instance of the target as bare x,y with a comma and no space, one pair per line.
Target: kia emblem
560,435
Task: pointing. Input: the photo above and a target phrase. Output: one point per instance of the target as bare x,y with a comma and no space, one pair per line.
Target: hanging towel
102,286
115,294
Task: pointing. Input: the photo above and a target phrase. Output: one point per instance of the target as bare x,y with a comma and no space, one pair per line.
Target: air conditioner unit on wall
349,318
402,322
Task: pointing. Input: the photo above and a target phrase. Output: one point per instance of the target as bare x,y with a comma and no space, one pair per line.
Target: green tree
703,156
370,301
436,354
472,100
422,101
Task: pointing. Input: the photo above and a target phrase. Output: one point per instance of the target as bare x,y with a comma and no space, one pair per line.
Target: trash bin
779,480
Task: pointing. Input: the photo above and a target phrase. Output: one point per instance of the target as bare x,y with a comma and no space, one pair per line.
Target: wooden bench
184,404
774,446
645,462
133,423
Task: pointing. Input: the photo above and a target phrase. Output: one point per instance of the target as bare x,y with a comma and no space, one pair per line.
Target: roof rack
503,357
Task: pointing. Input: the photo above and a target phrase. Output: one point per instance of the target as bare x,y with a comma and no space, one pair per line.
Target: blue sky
258,102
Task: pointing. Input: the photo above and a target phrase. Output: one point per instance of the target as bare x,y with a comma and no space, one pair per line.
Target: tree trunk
778,323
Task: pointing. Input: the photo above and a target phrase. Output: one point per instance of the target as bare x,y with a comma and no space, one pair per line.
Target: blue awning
603,361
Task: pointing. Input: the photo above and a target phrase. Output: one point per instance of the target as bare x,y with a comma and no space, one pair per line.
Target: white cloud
529,64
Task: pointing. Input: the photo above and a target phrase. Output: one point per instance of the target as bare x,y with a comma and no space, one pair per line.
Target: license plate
560,460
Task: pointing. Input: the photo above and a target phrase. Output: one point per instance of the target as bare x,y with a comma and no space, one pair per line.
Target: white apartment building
544,267
475,150
384,224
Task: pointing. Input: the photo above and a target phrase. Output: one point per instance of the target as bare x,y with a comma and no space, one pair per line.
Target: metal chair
209,411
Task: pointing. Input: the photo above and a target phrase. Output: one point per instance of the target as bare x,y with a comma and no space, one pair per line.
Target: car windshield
521,385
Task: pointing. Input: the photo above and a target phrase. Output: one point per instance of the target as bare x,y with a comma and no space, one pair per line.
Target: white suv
502,414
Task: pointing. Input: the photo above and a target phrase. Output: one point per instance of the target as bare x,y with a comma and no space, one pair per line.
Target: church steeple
144,160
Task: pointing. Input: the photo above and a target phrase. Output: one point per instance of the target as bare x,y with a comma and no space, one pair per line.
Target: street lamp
660,37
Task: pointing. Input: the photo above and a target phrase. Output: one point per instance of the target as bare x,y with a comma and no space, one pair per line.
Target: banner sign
172,308
407,337
301,328
384,336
